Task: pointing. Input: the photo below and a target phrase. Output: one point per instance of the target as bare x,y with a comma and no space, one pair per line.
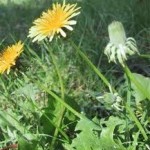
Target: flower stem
62,109
128,104
129,85
57,69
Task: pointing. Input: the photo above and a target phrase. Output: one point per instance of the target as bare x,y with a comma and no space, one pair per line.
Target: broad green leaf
145,85
50,116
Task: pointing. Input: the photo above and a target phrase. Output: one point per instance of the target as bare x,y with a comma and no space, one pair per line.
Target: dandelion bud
119,46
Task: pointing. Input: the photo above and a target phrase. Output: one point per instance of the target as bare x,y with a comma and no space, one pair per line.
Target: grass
57,94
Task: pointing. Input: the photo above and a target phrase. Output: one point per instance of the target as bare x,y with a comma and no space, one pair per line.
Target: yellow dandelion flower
54,21
8,56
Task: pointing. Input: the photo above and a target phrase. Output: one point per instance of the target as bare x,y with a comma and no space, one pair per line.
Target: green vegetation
64,95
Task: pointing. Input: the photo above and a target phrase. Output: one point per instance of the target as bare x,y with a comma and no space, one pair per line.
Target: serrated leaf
106,138
94,137
11,134
11,120
86,139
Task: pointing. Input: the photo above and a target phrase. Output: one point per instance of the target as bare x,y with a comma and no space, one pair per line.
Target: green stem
132,115
62,109
129,86
128,108
57,70
97,71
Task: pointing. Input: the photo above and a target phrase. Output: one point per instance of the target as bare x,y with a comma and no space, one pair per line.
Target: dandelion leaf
95,137
106,137
50,116
11,120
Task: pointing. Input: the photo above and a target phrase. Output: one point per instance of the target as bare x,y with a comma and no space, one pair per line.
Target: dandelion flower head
54,21
9,55
119,46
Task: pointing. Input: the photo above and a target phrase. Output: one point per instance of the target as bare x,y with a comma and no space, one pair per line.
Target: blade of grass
97,71
37,57
145,56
